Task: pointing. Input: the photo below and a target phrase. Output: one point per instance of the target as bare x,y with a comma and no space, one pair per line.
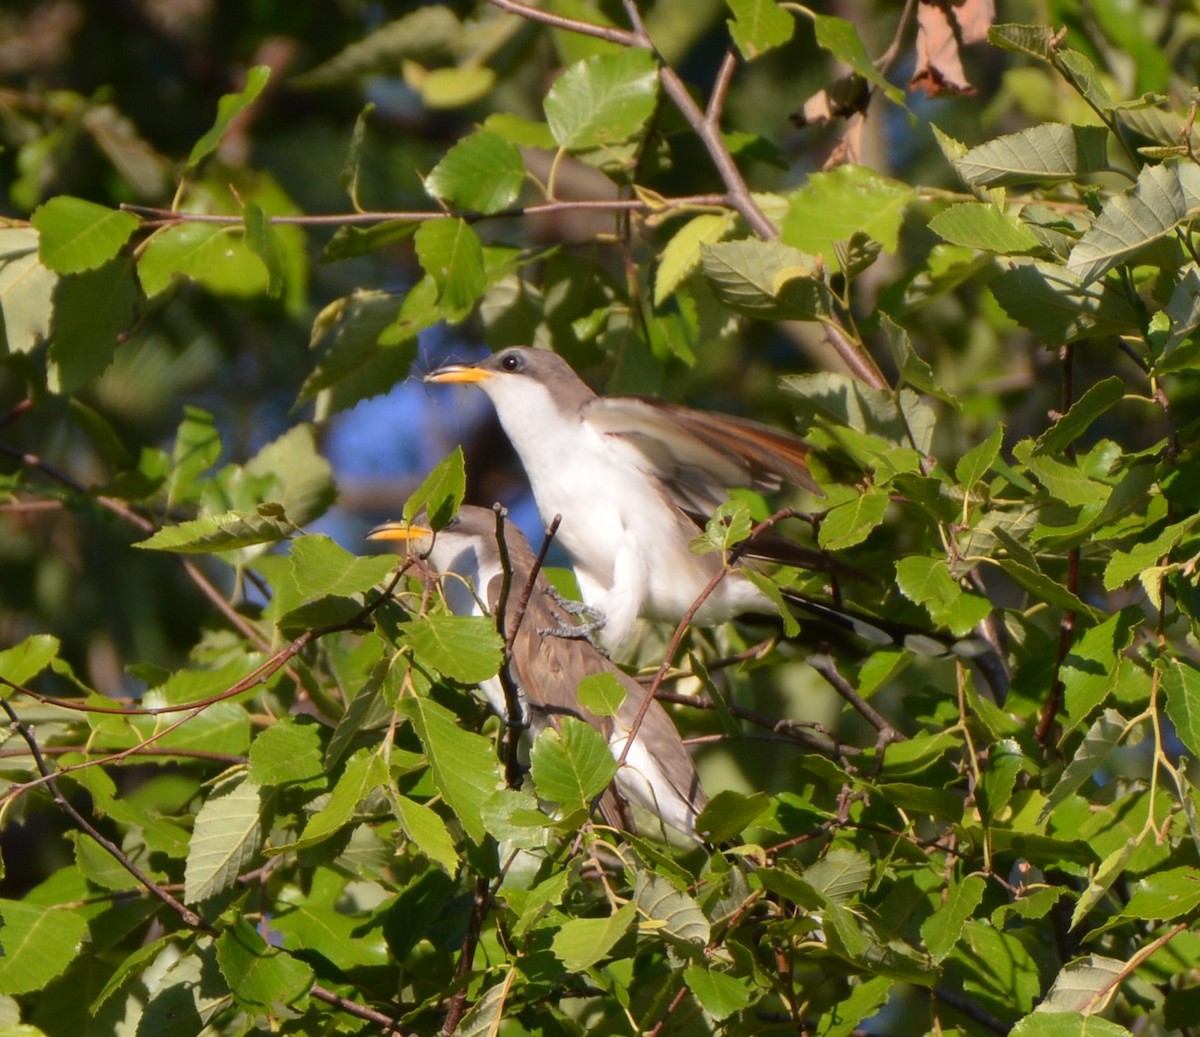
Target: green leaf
263,240
1123,566
681,256
320,567
92,310
759,25
364,773
229,107
302,480
259,975
766,279
288,751
719,993
851,523
832,207
1101,397
465,648
483,172
26,660
928,582
942,929
604,99
75,235
451,254
453,87
866,998
1094,668
217,533
1113,867
1165,895
1047,153
197,448
573,765
464,767
1066,1024
428,831
977,461
601,694
26,290
676,914
840,875
986,228
1099,742
1163,198
226,839
582,942
441,492
213,254
1085,986
1045,589
728,814
39,942
1035,40
1182,683
841,39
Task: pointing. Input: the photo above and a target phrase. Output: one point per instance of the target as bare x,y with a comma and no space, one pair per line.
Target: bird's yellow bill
408,532
459,373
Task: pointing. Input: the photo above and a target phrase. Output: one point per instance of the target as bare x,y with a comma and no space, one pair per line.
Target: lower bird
550,655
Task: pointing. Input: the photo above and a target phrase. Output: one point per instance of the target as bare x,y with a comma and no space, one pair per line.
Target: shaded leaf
451,254
260,976
1041,154
217,533
983,227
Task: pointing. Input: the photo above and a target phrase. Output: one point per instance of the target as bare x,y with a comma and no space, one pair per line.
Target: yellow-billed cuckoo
550,656
634,480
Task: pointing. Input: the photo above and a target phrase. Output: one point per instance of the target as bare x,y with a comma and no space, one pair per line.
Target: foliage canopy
246,783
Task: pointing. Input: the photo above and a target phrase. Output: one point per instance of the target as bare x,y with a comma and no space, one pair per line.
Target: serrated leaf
1101,739
851,523
758,26
215,255
675,913
573,765
1102,396
942,929
229,107
832,207
217,533
602,100
39,942
1035,40
681,256
1043,588
866,998
441,492
26,290
582,942
1165,895
977,461
1085,986
465,648
721,994
1163,198
428,832
76,235
728,814
483,172
601,694
1066,1024
464,767
26,660
766,279
364,773
840,875
287,751
840,37
320,567
226,839
1182,683
1041,154
927,581
451,254
92,310
259,975
986,228
1124,565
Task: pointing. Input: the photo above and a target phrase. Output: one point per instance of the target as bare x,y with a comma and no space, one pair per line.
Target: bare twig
825,666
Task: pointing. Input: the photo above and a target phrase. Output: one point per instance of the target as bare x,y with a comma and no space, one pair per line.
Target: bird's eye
511,362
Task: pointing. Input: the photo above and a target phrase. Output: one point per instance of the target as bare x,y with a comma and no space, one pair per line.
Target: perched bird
634,481
550,655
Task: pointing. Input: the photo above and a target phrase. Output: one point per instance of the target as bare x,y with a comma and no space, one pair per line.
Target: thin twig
458,1003
825,666
716,100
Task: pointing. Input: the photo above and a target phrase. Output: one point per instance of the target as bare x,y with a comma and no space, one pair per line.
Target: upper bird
634,480
548,662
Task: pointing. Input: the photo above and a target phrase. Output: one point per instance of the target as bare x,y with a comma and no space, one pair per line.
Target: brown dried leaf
848,149
941,26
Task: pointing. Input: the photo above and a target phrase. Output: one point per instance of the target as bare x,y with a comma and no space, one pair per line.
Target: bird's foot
577,608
